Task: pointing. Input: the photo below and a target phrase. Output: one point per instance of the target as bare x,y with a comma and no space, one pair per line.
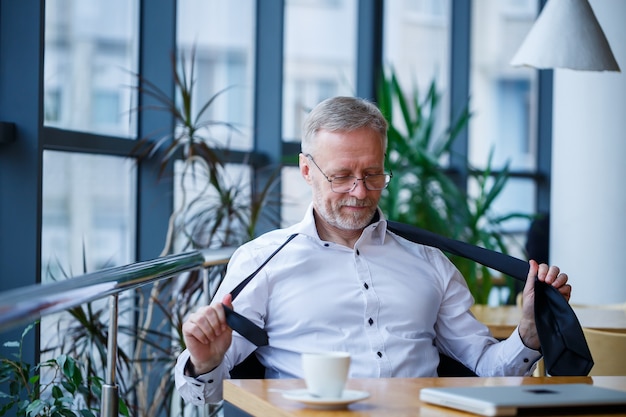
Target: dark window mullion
73,141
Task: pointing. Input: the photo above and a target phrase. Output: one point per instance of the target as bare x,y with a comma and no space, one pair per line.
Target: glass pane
88,212
90,58
210,216
503,97
517,197
223,35
319,57
416,44
296,195
88,224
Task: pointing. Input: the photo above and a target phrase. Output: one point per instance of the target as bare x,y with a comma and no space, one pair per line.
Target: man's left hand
550,275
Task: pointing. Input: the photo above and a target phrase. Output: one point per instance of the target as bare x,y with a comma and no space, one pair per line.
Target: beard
331,212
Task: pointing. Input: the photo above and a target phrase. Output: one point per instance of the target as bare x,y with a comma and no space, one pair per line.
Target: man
347,283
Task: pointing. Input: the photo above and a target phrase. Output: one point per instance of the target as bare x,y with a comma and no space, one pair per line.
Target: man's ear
305,168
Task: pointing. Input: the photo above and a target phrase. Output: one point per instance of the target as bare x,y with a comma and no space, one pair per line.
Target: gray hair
345,114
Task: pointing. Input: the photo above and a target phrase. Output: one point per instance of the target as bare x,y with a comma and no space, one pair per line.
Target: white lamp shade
566,35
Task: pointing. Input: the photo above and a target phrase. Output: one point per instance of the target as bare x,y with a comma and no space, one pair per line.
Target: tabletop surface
389,397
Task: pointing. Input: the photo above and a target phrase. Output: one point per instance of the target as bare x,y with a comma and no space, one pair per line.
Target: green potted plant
68,390
423,193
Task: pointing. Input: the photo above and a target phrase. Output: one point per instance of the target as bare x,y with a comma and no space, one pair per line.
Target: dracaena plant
424,194
191,136
216,207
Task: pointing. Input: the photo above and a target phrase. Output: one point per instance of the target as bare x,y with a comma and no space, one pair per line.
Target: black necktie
562,340
241,324
563,343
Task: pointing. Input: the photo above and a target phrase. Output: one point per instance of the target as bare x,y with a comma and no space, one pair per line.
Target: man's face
357,153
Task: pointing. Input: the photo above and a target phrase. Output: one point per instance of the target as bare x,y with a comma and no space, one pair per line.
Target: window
221,35
503,102
90,62
319,58
319,63
88,213
417,47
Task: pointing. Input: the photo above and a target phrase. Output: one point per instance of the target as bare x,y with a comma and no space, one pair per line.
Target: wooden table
502,320
389,397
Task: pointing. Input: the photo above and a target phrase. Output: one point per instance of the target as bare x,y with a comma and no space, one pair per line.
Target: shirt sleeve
203,389
514,358
464,338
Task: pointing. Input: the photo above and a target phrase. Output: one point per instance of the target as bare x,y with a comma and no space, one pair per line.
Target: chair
608,350
614,306
251,368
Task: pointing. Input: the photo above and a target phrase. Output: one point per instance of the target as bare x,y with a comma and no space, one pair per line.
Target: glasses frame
388,176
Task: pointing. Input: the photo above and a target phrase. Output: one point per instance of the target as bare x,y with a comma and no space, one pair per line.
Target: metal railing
30,303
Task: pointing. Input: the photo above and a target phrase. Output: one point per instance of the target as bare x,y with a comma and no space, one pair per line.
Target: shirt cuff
202,389
528,357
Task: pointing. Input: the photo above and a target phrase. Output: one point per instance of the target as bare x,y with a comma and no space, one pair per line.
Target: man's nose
359,190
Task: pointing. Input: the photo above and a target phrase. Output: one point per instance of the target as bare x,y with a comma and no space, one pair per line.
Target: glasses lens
343,184
376,182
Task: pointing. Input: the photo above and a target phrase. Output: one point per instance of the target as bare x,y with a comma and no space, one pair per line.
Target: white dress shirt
391,303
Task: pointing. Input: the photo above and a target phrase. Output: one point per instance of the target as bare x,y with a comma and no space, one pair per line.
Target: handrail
27,304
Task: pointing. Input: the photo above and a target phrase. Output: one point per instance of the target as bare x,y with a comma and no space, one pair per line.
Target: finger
530,279
216,318
191,330
228,300
560,279
566,291
221,314
528,294
543,272
207,322
553,275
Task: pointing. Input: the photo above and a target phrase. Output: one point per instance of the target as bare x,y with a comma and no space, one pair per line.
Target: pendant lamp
566,35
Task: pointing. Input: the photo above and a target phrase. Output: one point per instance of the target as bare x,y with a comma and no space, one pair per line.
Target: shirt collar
374,232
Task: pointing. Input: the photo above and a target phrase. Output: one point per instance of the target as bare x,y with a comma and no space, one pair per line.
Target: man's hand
550,275
207,336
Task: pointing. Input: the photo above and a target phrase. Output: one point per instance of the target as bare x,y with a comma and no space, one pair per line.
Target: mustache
355,202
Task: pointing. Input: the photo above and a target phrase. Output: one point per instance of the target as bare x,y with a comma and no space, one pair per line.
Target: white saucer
325,403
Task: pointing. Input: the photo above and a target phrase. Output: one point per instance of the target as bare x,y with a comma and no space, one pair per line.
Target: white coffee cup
325,373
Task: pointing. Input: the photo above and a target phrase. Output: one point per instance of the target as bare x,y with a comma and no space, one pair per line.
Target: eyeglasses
347,184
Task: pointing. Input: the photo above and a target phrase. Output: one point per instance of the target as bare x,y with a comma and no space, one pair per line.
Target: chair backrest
251,368
608,349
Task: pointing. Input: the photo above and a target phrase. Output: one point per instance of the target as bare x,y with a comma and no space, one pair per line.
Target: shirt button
370,321
326,244
357,252
366,286
210,381
380,355
526,360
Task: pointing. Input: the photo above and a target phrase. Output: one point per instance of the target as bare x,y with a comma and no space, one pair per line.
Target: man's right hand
207,336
